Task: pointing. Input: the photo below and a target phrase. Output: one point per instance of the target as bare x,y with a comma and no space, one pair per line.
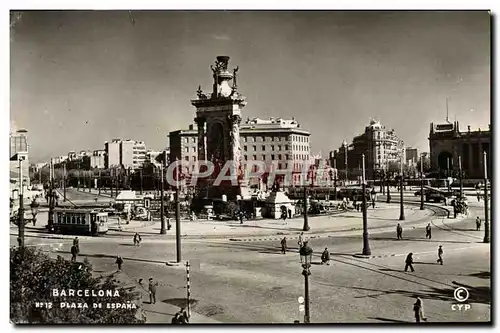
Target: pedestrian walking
289,213
74,252
301,240
241,217
76,243
119,262
428,231
152,291
418,309
325,257
284,214
409,262
399,231
440,255
373,204
283,245
478,224
137,239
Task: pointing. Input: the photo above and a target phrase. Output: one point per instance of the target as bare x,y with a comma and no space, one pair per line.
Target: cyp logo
461,294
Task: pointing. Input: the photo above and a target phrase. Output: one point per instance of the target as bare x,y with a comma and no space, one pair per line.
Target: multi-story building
267,140
113,153
447,143
412,156
380,147
128,154
139,154
19,149
98,159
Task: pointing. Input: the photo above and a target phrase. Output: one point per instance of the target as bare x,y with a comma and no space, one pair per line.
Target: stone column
202,146
235,146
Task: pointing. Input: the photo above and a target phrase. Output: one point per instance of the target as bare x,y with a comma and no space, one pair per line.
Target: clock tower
218,117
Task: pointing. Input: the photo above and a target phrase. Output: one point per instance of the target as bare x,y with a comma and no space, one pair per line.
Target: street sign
302,307
301,299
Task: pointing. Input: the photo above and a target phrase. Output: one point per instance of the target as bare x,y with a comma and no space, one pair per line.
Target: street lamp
305,259
366,245
486,220
422,182
306,222
461,176
401,209
162,205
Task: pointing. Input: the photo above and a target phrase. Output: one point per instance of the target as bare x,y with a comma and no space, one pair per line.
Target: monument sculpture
218,117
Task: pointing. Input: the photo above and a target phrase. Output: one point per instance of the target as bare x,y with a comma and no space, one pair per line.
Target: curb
174,263
362,256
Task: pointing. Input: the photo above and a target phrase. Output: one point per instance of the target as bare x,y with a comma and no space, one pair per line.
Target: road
251,282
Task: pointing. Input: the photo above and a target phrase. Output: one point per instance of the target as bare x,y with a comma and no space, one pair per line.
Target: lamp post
461,177
306,222
388,183
20,239
162,205
50,222
335,179
421,182
401,209
64,181
366,245
305,259
486,219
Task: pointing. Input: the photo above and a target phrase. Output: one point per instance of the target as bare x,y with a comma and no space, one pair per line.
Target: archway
445,161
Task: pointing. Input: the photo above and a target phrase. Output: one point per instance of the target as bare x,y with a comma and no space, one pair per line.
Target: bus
80,221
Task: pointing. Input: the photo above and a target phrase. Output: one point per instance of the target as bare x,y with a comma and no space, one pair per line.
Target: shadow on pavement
389,320
112,256
481,275
417,239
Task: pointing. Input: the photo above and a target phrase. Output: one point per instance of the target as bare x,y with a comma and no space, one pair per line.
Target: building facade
127,154
98,159
447,143
381,147
412,156
267,140
19,149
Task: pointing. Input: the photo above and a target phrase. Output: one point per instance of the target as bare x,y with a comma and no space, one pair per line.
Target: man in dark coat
478,224
152,291
399,231
74,252
418,309
283,245
409,262
325,257
119,262
289,213
440,255
428,231
183,319
76,243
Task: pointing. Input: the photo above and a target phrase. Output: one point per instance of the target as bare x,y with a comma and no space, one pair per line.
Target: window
194,149
244,139
262,138
263,148
193,140
255,157
254,148
272,147
246,157
279,166
279,157
263,157
186,158
245,148
286,147
194,158
272,157
186,149
287,156
279,147
73,220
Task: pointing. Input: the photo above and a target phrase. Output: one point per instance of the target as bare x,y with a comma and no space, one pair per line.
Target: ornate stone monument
218,117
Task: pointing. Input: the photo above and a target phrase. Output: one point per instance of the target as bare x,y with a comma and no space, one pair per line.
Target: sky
79,78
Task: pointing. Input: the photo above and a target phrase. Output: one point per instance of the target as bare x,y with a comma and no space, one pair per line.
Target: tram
80,221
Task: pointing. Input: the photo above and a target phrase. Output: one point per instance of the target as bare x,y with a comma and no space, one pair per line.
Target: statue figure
200,92
235,85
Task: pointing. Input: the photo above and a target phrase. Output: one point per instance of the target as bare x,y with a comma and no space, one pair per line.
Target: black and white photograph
250,167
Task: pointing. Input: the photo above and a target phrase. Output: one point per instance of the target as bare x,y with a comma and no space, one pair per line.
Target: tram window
59,218
83,219
78,220
92,218
73,218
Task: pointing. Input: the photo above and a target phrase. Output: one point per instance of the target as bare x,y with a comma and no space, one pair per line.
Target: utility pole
50,222
178,222
20,239
140,175
460,175
486,219
366,245
162,205
421,182
306,222
401,208
64,181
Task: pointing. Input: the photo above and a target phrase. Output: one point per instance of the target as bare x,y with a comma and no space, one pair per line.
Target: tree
34,276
